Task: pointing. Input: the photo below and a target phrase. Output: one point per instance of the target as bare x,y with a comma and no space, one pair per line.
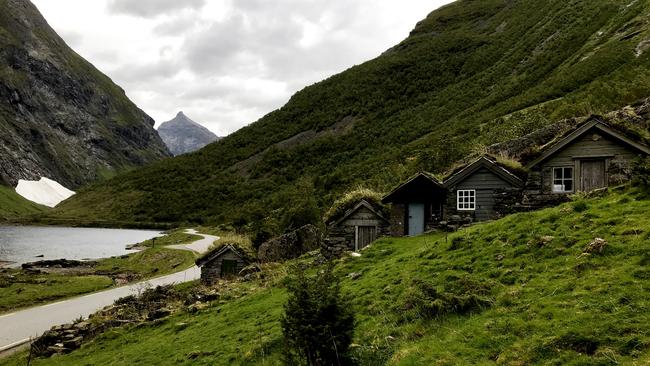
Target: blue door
416,219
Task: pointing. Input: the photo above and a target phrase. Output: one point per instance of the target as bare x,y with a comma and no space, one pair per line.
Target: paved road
16,328
199,246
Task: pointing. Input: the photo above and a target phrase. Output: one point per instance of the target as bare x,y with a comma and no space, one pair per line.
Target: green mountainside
471,74
12,205
535,288
60,117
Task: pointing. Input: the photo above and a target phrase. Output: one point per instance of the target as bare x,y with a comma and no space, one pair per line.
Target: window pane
557,173
568,185
568,173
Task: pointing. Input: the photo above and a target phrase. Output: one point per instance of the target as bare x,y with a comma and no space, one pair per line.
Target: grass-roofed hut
356,224
224,261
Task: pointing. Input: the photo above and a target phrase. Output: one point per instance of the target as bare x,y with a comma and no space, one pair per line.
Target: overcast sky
226,63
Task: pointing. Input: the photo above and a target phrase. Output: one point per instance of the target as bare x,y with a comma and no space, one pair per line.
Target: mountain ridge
61,118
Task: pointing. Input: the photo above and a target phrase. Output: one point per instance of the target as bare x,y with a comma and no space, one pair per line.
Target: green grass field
13,205
517,291
19,289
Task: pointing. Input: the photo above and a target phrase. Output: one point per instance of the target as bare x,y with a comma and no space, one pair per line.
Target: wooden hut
417,205
222,263
357,228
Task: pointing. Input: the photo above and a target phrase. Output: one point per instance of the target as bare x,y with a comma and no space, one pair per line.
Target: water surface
22,244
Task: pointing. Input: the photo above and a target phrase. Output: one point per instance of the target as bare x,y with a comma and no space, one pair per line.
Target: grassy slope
551,305
33,289
13,205
472,73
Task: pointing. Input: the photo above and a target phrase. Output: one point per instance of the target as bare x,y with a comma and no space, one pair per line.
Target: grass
12,205
20,289
517,291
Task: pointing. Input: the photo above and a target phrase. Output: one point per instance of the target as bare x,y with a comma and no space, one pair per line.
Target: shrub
464,297
641,172
318,322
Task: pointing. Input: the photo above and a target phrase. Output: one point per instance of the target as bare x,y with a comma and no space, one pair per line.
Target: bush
641,172
318,322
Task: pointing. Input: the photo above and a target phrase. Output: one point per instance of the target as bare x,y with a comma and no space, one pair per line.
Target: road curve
17,328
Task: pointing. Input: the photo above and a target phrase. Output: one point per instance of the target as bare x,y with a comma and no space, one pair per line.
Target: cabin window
466,200
562,180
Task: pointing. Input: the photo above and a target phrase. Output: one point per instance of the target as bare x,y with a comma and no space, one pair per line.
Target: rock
159,314
291,245
73,343
60,117
354,275
182,135
598,245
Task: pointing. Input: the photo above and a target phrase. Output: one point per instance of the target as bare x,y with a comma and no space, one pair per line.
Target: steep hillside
530,289
182,135
60,117
471,74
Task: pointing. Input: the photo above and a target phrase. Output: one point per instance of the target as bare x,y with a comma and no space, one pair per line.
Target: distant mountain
472,74
60,117
182,135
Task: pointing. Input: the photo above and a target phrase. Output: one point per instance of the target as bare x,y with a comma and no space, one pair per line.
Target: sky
227,63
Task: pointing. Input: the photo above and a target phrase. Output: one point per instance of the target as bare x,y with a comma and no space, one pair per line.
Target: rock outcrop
291,245
182,135
59,116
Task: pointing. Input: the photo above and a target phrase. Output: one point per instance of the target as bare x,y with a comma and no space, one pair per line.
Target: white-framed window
466,199
562,180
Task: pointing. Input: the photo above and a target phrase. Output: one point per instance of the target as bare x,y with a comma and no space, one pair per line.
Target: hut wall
341,237
211,271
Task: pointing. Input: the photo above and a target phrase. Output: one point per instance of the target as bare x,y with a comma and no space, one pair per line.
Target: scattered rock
354,275
159,314
598,245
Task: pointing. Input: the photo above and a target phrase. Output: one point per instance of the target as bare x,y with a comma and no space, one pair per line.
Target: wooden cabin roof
356,208
488,164
594,123
218,253
415,185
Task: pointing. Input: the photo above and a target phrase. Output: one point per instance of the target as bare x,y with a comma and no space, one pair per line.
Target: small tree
318,323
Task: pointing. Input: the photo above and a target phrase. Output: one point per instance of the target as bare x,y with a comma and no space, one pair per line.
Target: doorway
415,219
592,175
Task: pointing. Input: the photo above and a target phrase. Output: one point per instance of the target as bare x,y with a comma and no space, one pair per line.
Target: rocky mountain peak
182,135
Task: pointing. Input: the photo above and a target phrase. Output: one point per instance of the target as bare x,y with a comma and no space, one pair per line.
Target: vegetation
19,288
352,198
13,205
318,323
471,74
241,243
532,288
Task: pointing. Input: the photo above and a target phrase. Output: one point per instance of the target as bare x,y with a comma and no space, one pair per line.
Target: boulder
291,245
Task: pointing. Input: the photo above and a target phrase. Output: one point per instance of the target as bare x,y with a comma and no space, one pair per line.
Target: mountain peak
182,135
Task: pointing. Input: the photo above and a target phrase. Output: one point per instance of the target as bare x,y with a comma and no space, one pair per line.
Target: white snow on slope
45,191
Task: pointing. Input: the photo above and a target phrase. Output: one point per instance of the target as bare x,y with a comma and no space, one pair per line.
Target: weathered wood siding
489,188
593,144
211,271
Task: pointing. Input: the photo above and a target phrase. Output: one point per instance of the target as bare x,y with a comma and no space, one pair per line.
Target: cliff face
182,135
59,116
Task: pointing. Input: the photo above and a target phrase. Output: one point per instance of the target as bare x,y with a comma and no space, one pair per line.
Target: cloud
152,8
226,63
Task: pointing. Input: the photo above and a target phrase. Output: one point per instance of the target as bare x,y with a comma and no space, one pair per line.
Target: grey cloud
152,8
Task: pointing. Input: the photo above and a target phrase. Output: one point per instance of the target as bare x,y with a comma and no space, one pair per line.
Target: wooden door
228,268
365,236
416,219
592,175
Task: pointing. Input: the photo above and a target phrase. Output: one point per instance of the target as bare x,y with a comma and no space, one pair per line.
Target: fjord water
22,244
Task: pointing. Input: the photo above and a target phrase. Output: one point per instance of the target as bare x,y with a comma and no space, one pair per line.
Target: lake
22,244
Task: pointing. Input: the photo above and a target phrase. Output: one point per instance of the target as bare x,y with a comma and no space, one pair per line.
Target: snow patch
45,191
